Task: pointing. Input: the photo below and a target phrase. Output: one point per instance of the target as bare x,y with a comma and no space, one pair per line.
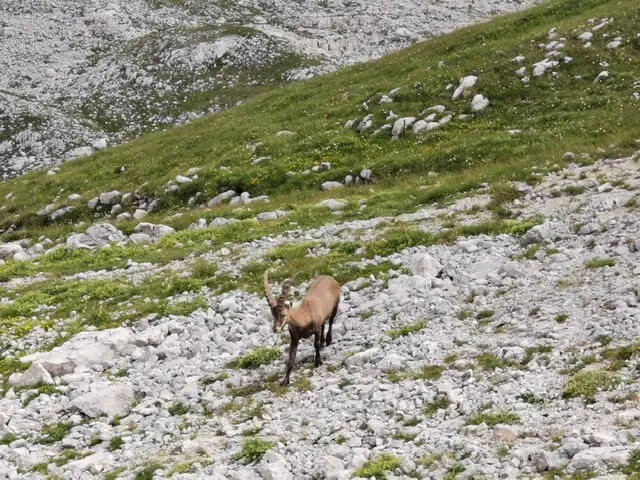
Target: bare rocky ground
76,77
492,357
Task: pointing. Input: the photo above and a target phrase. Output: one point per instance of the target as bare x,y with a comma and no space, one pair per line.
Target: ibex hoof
284,382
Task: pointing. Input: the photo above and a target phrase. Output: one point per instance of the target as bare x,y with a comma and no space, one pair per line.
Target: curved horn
267,291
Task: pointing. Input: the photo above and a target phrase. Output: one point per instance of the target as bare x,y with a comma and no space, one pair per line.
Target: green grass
147,472
377,467
113,474
632,468
100,303
489,361
600,262
432,407
54,433
303,384
178,408
115,443
253,448
404,436
63,458
618,356
259,356
573,190
587,383
531,352
407,329
41,390
493,418
454,471
7,438
427,372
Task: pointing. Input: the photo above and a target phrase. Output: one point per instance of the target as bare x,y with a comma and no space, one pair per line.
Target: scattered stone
79,152
479,102
223,197
100,144
400,125
332,204
183,180
96,236
331,185
105,399
109,198
466,83
505,433
34,376
284,133
139,214
602,76
266,216
155,232
586,36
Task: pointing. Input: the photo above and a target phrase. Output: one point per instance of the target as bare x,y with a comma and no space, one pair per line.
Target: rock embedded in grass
479,103
331,185
400,125
332,204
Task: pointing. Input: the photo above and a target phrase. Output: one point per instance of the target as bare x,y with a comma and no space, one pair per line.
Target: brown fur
319,305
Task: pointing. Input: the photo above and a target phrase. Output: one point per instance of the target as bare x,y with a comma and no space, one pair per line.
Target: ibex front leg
293,348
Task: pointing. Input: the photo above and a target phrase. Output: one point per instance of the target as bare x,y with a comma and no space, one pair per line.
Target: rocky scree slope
76,78
493,356
490,336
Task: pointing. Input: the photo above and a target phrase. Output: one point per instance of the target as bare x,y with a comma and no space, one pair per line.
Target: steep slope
75,77
487,251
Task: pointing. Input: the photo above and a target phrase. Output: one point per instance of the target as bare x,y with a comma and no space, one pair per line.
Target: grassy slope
555,115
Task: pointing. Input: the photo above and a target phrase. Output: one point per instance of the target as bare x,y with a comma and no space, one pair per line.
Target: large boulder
96,236
110,198
223,197
425,265
86,349
105,399
8,250
35,375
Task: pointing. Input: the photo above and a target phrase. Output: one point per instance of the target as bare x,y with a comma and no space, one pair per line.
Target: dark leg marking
316,342
293,348
332,317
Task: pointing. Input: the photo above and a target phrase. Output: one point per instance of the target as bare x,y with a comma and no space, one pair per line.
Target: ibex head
279,308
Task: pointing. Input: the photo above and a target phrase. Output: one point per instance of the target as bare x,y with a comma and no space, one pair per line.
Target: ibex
319,304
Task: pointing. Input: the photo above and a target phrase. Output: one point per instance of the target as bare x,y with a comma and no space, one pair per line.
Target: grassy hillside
554,113
524,131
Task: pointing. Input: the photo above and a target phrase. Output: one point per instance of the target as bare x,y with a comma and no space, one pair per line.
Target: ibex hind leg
334,312
316,342
322,339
